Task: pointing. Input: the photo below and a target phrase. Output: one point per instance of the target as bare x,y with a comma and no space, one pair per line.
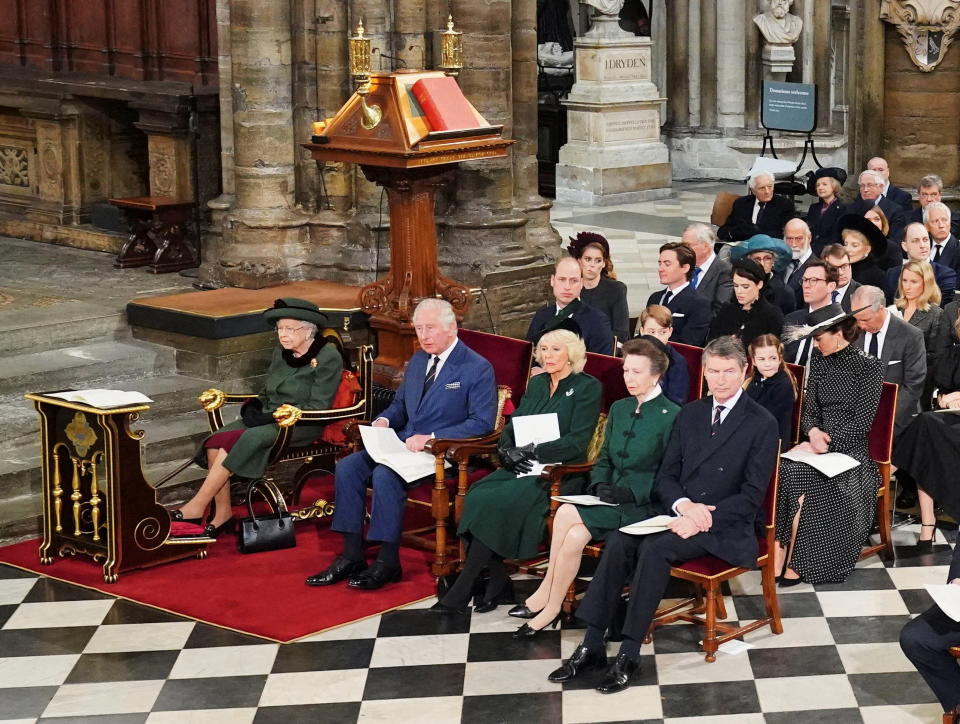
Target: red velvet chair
431,506
694,357
799,373
880,442
707,573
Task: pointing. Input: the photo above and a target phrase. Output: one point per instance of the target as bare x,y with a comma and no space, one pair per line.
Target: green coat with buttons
630,457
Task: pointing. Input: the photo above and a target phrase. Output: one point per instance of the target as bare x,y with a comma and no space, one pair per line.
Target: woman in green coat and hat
638,428
304,372
505,513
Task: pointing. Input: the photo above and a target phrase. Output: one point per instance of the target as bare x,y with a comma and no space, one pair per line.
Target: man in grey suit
712,276
898,345
798,237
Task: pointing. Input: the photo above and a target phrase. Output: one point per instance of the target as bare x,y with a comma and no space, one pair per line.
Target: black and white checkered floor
72,654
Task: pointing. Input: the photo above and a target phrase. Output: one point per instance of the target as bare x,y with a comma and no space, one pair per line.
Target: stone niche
921,133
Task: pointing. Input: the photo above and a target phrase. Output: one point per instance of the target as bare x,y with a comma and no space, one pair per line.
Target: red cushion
880,437
609,370
694,357
711,565
509,357
347,395
424,492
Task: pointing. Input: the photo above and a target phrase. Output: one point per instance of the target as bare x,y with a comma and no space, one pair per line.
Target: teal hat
762,242
293,308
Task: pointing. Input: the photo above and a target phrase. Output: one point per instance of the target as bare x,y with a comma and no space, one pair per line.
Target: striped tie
431,375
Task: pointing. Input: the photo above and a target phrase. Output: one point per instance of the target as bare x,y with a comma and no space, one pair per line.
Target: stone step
83,366
20,518
172,438
54,327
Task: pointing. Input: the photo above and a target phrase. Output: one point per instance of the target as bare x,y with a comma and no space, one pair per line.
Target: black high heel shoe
227,526
521,611
505,595
926,546
177,517
528,632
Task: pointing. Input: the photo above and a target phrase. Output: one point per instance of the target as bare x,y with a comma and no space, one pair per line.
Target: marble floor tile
802,693
204,716
105,698
139,637
904,714
20,671
57,613
509,677
364,629
224,661
919,576
873,658
589,705
14,590
718,719
861,603
691,668
419,650
796,632
438,710
313,687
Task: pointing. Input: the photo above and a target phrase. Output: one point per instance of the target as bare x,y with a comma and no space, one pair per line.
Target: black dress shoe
337,571
528,632
620,675
583,659
521,611
377,575
177,517
447,610
481,604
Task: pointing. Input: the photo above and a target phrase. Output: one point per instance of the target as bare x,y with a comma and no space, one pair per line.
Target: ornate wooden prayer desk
158,237
95,498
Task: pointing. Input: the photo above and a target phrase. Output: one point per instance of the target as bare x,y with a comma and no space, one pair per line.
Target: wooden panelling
169,40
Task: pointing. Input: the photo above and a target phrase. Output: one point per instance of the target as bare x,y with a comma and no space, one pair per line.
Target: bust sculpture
777,24
605,7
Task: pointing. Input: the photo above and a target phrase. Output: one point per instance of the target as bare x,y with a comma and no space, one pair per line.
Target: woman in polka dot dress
823,522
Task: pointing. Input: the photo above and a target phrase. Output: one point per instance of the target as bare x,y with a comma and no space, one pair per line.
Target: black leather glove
518,460
617,494
253,415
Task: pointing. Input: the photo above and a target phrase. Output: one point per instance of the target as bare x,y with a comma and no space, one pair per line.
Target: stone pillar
751,77
678,78
866,101
822,68
263,237
708,65
613,154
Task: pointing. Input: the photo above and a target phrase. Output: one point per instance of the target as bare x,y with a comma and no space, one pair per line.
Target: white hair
806,226
445,314
754,177
931,180
935,206
869,295
311,329
703,233
876,175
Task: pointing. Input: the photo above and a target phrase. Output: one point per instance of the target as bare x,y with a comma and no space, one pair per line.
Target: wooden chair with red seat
880,442
511,359
799,376
707,573
355,391
694,358
953,717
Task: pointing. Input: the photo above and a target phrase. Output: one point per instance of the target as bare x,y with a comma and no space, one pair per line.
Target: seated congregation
824,335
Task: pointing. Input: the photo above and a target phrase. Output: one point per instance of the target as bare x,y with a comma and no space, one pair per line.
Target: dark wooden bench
158,238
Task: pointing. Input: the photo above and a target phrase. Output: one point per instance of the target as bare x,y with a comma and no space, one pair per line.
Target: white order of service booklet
383,445
103,399
535,429
830,464
656,524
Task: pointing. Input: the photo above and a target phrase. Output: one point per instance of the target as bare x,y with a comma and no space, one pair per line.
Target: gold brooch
313,362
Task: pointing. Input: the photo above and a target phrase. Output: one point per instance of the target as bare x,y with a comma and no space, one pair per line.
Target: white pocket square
452,386
678,314
894,362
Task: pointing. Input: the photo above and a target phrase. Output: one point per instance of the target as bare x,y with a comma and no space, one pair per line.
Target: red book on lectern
445,106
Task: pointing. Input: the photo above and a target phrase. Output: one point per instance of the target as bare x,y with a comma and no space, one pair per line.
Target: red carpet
261,594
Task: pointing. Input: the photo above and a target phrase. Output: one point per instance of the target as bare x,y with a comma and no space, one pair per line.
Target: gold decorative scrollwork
455,293
320,509
80,434
211,399
375,297
148,534
926,27
133,434
287,415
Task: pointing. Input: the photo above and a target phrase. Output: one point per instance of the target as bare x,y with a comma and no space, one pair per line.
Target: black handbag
270,532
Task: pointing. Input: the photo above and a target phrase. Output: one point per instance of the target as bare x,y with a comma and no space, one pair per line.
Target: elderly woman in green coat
505,513
304,372
638,428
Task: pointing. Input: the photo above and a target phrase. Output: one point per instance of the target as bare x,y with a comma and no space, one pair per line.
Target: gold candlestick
360,54
451,50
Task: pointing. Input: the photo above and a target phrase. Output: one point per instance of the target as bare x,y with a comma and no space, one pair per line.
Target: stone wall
493,228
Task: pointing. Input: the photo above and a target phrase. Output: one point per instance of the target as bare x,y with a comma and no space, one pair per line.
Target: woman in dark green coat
638,428
505,513
304,372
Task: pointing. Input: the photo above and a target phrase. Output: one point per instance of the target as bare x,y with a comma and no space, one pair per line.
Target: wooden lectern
398,151
95,498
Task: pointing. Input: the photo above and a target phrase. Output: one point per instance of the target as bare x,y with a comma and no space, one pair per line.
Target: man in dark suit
901,198
871,194
759,212
566,282
899,347
837,256
713,477
944,248
916,245
690,309
798,237
930,190
818,284
448,391
926,641
712,276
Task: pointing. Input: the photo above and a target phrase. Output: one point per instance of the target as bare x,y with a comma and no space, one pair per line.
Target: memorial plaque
613,64
633,125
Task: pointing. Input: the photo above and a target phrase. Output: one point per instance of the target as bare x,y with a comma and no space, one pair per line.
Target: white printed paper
830,464
535,429
383,445
947,597
581,500
656,524
103,399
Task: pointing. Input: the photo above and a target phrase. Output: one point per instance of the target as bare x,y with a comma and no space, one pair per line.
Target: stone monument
780,30
613,153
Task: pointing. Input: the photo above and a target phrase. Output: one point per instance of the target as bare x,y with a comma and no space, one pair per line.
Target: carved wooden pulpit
396,149
96,501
